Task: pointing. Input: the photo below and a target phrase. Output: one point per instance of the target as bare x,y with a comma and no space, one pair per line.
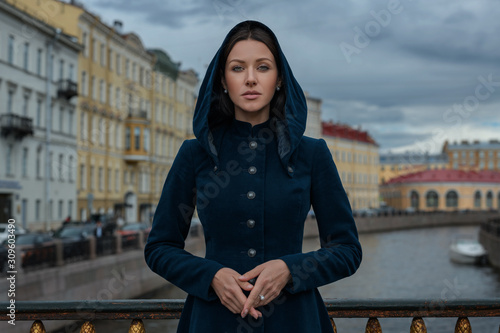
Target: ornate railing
139,310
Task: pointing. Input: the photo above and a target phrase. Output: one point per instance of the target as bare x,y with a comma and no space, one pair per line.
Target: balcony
67,89
15,125
141,114
137,310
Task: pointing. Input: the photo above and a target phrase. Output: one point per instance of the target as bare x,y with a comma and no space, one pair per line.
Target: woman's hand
229,290
273,277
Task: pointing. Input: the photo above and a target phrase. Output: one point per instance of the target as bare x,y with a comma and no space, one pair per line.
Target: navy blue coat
252,188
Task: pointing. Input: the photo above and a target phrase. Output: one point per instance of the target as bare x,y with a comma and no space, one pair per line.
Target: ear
223,82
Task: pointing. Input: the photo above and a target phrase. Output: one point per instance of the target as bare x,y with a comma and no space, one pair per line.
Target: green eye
237,68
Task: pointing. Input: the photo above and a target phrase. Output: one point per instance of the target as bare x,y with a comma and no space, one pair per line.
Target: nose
251,79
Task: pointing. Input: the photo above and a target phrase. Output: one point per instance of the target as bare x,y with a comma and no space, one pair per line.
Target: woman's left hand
272,278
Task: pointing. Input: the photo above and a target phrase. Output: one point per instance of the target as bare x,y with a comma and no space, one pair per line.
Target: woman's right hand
230,291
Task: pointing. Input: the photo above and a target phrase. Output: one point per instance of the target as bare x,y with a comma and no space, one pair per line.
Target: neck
253,118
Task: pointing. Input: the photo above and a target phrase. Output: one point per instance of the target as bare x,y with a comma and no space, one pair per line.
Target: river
409,264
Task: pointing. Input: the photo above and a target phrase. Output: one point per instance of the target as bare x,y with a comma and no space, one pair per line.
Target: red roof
346,132
447,176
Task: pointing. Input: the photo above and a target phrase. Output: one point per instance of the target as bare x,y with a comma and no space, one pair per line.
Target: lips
251,94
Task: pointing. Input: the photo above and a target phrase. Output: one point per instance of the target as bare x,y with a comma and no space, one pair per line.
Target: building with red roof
444,190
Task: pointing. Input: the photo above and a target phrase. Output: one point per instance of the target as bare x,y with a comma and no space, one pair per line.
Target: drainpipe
48,122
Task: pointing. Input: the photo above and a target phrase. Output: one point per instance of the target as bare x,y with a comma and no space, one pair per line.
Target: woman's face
251,78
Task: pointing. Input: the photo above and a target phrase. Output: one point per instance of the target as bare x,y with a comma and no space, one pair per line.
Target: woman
252,176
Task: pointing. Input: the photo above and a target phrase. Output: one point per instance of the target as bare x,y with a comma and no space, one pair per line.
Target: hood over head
209,118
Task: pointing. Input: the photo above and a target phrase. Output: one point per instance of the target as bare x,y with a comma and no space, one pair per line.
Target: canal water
410,264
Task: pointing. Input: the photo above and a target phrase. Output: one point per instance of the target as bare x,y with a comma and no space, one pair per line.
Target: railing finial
37,327
463,325
418,325
136,326
87,327
335,326
373,326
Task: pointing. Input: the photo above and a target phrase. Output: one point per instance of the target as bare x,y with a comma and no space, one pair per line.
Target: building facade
38,120
356,155
475,155
395,165
127,132
444,190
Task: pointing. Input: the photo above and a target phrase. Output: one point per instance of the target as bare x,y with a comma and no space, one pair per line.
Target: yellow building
132,117
473,155
444,190
395,165
356,155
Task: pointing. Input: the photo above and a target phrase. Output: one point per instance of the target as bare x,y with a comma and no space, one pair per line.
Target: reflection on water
412,264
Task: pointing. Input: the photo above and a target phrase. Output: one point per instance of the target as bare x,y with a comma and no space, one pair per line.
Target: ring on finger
262,297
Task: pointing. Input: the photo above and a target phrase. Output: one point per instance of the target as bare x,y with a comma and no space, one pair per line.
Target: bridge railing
139,310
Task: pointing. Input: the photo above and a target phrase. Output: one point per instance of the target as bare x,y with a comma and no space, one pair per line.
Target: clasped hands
229,285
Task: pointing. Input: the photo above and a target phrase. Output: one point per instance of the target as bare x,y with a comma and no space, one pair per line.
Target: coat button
252,170
251,195
253,144
251,223
251,253
290,169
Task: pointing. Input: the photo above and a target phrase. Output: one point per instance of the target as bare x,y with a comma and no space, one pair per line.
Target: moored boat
467,251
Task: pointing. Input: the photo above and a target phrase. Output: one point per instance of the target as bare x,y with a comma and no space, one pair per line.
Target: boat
467,251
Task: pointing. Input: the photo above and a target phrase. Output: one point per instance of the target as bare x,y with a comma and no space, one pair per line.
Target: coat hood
208,120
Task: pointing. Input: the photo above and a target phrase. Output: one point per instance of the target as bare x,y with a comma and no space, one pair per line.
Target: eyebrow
258,60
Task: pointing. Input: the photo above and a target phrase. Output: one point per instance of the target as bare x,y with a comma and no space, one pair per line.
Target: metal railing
139,310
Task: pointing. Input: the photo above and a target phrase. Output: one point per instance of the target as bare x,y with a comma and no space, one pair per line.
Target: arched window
489,199
452,199
414,198
477,199
432,199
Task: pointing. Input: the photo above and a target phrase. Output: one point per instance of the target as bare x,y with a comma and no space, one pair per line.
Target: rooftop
346,132
448,176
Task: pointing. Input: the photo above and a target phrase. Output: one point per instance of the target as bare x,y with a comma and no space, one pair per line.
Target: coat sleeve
340,252
164,251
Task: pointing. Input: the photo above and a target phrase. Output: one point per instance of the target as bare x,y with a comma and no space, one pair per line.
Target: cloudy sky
413,73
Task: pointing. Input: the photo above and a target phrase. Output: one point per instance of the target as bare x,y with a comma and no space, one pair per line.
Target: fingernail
245,312
241,277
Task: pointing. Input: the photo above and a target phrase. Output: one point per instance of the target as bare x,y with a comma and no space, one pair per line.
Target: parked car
4,231
36,249
132,228
75,239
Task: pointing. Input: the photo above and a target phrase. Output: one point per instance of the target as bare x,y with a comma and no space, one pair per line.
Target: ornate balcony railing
16,125
67,89
139,310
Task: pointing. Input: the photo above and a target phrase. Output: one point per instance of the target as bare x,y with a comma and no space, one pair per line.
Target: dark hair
244,31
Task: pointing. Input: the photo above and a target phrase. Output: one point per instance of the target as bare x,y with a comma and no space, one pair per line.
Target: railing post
418,325
92,247
463,325
137,326
373,326
37,327
140,242
118,239
59,252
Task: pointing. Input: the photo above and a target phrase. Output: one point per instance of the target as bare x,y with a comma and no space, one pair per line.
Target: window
71,72
51,174
39,164
10,99
102,139
60,210
61,119
82,176
39,112
477,199
137,138
26,56
94,50
118,64
39,62
93,87
70,207
118,99
25,104
70,169
127,138
452,199
8,160
134,71
110,95
10,54
83,87
70,121
109,179
146,139
117,177
102,96
489,200
101,185
110,62
61,69
60,167
85,44
127,68
38,204
103,55
91,177
25,162
432,199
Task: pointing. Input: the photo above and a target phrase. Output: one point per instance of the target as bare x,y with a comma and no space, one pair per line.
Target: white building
313,125
38,149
